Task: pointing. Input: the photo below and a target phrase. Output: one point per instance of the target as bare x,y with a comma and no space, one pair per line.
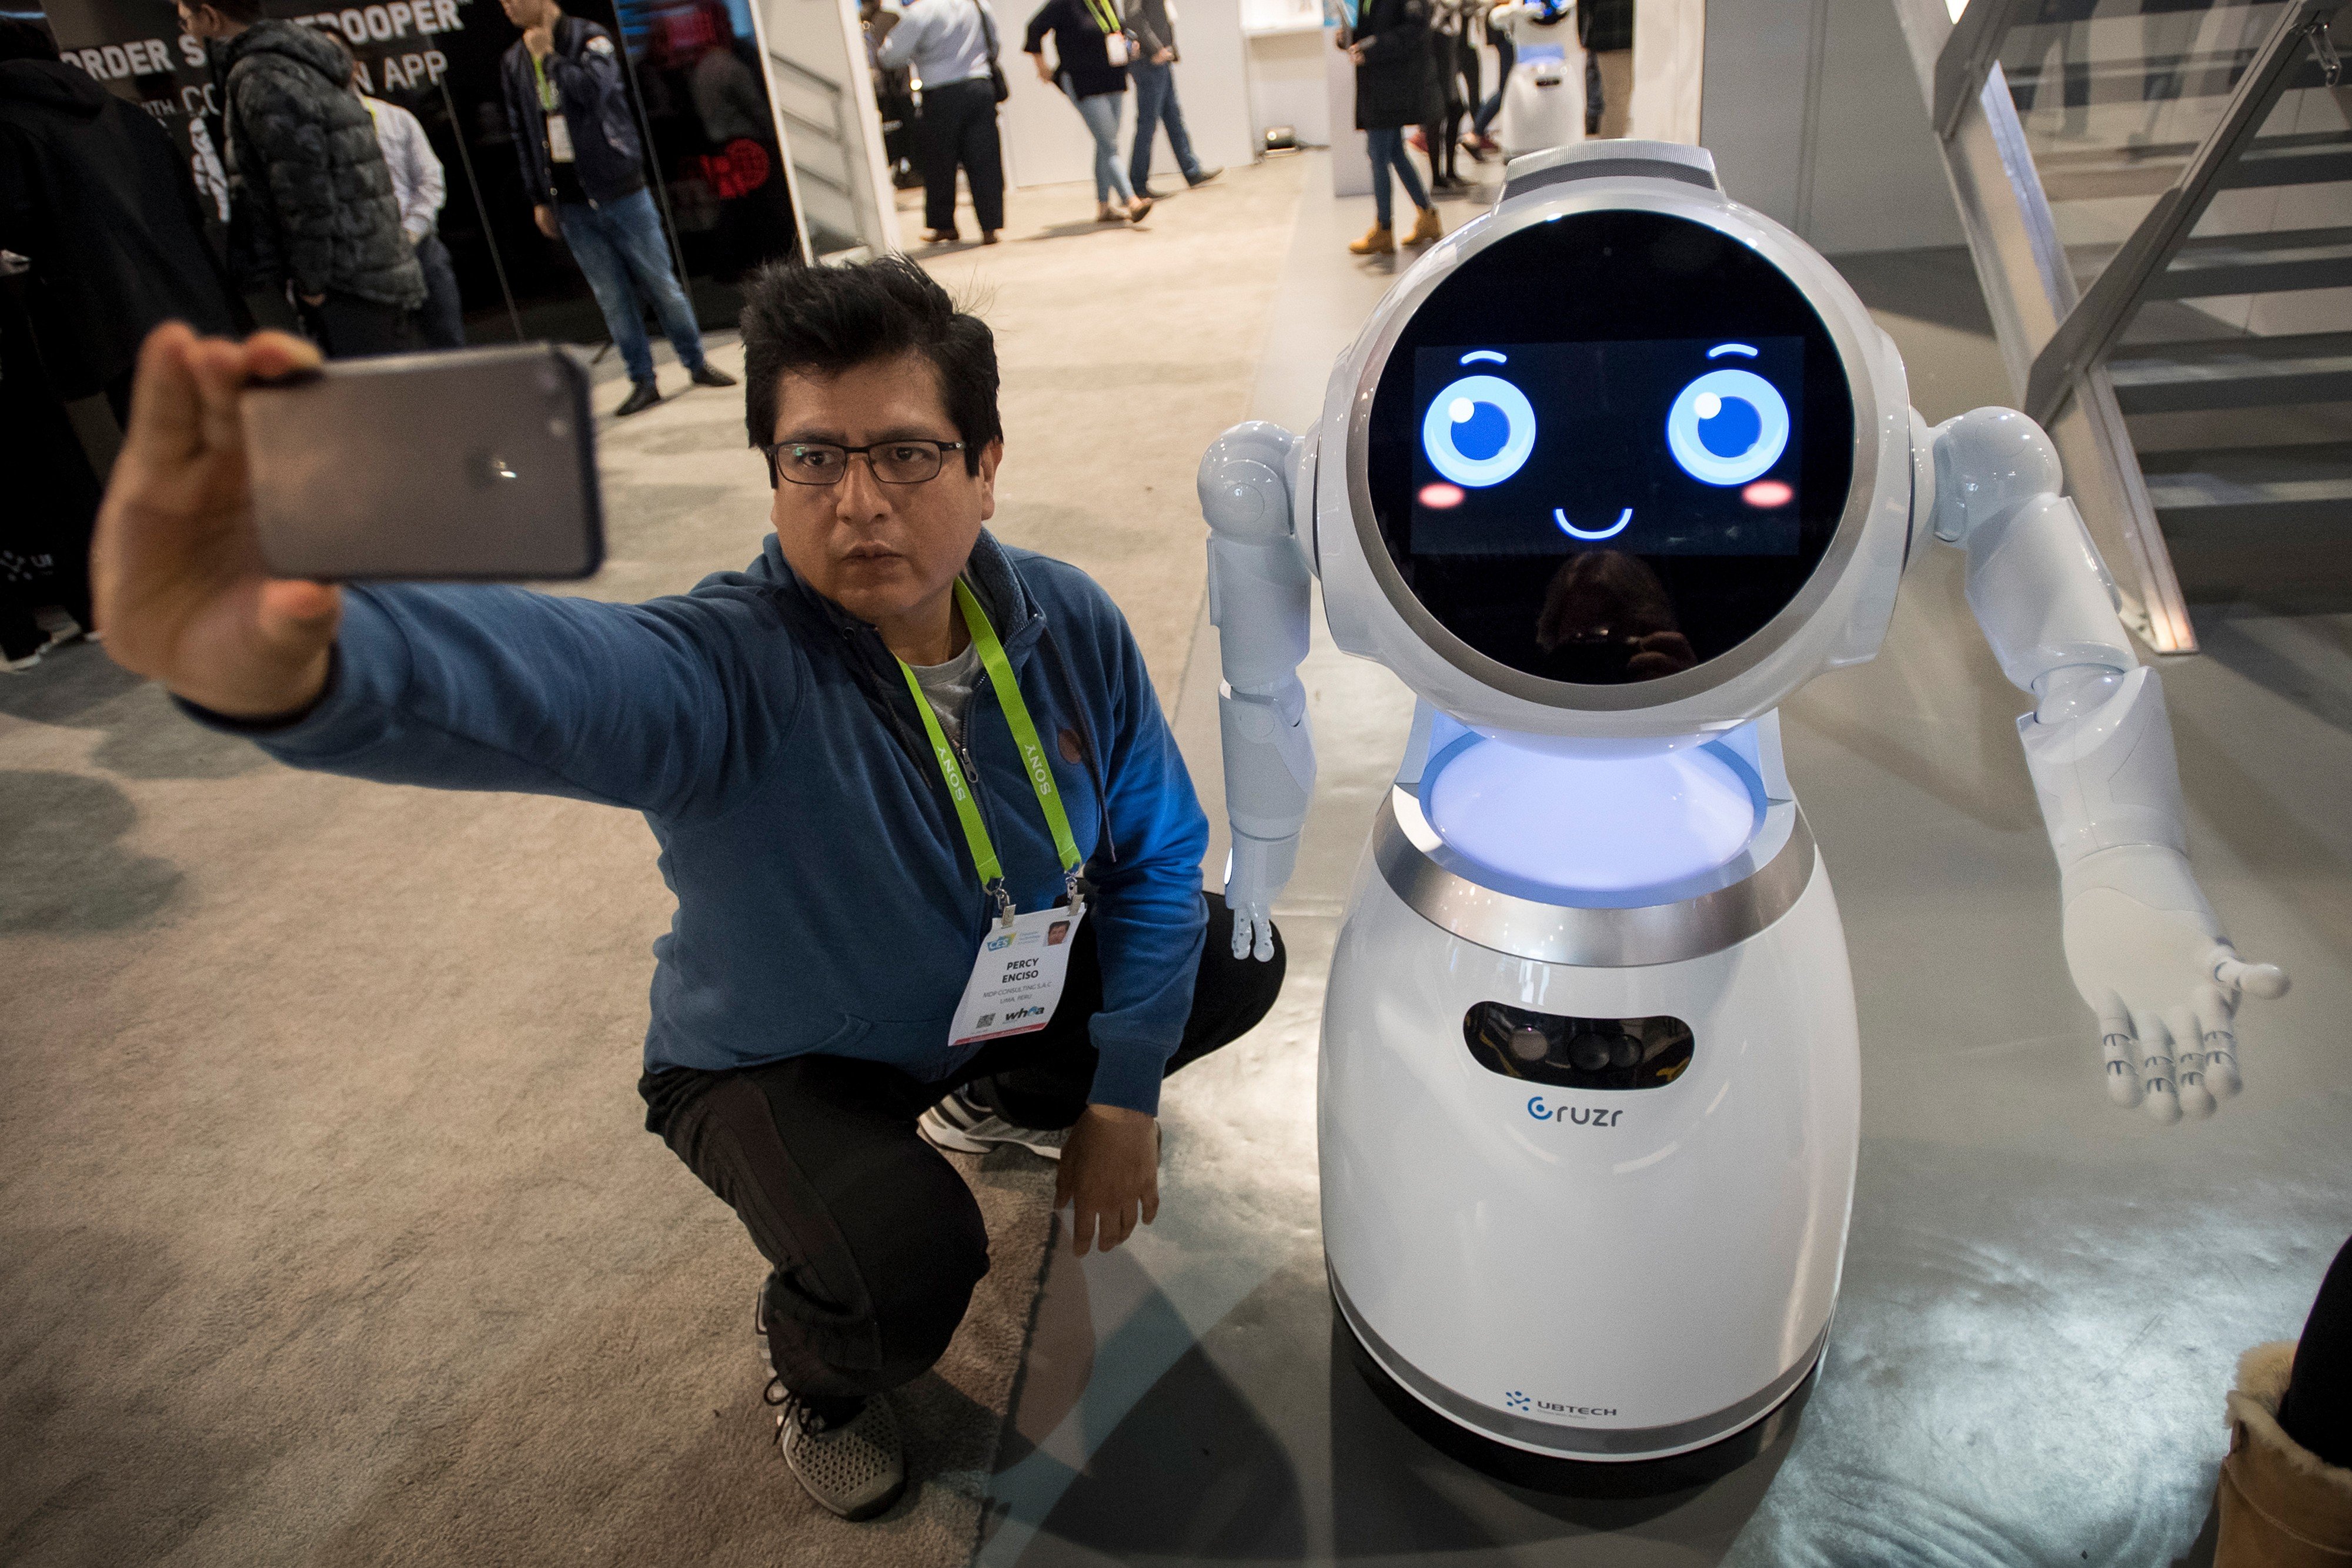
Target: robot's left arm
2145,951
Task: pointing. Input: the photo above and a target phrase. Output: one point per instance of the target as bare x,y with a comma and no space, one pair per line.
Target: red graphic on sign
737,171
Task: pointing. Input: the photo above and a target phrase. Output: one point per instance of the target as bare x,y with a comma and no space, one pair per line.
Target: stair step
2271,263
2258,486
2232,372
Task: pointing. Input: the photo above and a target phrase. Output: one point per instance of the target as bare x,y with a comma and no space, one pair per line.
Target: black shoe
712,376
1202,178
643,396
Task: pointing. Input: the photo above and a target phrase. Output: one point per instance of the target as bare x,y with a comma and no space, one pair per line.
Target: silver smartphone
475,464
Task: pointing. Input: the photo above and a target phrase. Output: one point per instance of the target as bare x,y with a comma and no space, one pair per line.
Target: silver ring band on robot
1604,1444
1550,932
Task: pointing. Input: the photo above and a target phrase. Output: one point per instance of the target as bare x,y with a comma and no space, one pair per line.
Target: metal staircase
2157,195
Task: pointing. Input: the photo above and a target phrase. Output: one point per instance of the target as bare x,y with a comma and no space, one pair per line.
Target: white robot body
1543,96
1611,472
1639,1273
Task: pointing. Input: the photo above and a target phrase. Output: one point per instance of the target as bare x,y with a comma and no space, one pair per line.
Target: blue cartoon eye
1478,430
1728,427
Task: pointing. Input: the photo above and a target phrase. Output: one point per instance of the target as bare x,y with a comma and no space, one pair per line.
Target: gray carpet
328,1229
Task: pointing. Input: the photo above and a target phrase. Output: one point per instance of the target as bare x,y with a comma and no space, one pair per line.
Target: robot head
1610,458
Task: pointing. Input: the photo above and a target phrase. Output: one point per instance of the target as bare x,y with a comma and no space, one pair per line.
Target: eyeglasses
902,462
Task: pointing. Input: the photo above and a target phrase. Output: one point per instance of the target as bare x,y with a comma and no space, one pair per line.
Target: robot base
1585,1192
1563,1477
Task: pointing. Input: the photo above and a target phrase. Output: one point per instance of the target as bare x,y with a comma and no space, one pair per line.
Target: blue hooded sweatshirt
827,898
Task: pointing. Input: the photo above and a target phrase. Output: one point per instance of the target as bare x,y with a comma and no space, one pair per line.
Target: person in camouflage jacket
311,200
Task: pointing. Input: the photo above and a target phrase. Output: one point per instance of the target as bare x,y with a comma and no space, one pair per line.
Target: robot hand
2148,957
1255,878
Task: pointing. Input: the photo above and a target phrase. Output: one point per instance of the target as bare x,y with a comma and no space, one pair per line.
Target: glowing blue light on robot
1496,355
1728,427
1587,824
1611,532
1478,430
1722,349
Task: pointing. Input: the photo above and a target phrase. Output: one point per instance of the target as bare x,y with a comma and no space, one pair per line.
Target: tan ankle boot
1379,240
2282,1506
1425,228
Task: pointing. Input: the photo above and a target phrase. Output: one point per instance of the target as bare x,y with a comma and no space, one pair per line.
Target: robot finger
2219,1036
1263,951
2189,1062
2267,982
1242,923
2121,1050
2155,1068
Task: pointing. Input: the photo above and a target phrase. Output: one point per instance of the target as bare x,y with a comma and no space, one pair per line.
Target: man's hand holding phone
177,576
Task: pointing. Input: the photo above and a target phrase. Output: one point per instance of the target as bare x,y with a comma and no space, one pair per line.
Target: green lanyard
546,88
1103,17
1032,758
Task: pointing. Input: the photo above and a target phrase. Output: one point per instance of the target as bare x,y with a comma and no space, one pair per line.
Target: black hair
24,38
244,13
828,319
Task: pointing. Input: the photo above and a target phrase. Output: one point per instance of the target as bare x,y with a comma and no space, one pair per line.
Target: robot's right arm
1259,604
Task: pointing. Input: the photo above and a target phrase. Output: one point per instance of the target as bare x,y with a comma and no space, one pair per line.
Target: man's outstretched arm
480,688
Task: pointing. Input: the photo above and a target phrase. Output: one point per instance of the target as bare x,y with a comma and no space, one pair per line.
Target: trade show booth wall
723,187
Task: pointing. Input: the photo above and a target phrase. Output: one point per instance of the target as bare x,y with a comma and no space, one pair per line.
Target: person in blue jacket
583,169
898,771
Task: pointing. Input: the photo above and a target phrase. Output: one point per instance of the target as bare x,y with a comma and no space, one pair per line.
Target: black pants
873,1241
349,328
441,324
959,127
2316,1411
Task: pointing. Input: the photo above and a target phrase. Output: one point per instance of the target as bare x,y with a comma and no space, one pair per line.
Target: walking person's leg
1152,85
636,230
873,1240
1100,111
608,279
1180,141
935,153
982,157
442,323
1425,224
1384,145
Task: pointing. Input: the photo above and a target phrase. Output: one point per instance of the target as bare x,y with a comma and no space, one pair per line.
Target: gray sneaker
955,1123
856,1467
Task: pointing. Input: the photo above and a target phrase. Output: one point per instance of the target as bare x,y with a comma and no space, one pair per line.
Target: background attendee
783,730
421,188
1445,27
310,201
1395,87
568,109
952,47
1153,28
1605,28
893,96
97,203
1092,52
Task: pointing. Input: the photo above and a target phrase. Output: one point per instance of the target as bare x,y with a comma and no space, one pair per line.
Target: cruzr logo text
1582,1115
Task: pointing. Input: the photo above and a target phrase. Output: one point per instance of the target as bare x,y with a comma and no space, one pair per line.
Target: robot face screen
1609,447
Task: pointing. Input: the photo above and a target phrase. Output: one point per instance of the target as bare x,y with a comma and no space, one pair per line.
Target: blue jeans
1155,105
1387,148
614,242
1100,112
1509,54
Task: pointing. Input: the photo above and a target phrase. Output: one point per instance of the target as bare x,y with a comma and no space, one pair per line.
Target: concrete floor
2044,1296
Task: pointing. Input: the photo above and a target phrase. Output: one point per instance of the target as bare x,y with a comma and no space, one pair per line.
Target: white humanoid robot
1543,94
1609,473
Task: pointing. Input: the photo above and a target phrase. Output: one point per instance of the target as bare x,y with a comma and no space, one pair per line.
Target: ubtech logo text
1584,1116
